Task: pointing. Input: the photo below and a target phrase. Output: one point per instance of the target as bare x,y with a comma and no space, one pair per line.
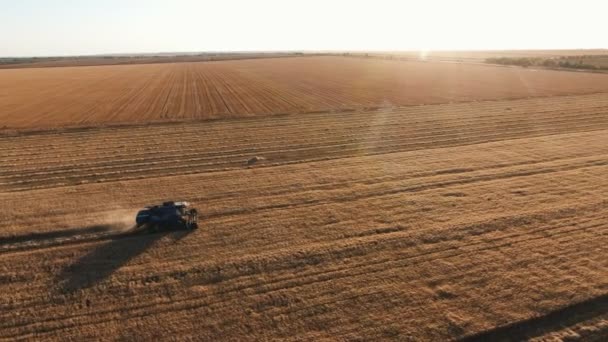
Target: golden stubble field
475,220
100,95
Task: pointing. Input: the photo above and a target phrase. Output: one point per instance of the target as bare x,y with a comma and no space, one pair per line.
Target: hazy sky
68,27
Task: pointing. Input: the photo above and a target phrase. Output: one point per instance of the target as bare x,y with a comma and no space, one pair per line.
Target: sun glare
423,54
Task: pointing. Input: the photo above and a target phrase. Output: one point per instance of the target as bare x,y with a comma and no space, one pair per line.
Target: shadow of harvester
65,233
107,258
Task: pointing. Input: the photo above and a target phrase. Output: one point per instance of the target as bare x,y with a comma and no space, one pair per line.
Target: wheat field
477,220
43,98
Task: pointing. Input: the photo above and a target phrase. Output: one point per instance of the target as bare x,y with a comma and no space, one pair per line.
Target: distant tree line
569,62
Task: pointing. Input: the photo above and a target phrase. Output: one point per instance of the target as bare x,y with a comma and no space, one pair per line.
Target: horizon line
194,52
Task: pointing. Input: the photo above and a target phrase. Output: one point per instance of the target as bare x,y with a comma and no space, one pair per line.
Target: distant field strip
477,220
88,96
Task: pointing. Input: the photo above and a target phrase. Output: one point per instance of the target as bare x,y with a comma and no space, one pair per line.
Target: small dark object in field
254,160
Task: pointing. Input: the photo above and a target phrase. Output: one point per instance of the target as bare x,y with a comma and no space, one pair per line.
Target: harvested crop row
201,147
215,134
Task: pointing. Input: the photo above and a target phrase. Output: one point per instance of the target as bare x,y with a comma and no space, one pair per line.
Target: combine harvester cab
169,216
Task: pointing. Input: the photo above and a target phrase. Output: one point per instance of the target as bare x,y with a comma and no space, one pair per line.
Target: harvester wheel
153,229
193,219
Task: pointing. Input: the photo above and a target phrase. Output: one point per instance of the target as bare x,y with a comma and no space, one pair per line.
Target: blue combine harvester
166,217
